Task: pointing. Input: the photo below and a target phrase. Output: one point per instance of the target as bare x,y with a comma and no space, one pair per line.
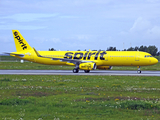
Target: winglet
36,52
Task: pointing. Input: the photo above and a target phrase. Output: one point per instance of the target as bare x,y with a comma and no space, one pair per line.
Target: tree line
153,50
52,49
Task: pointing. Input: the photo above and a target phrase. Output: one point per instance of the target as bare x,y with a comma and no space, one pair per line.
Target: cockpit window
148,56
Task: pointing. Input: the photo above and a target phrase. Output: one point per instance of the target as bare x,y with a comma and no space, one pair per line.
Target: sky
80,24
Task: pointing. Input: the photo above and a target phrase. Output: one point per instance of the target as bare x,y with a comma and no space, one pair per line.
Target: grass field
26,97
36,66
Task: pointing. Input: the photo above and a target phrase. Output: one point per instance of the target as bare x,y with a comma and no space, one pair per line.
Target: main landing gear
75,70
139,70
86,71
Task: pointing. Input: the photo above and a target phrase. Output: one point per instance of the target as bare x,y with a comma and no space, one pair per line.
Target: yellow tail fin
20,42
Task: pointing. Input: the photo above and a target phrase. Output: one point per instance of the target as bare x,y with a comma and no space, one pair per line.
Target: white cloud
86,2
143,32
23,21
140,24
55,40
83,22
69,16
153,33
5,39
153,1
28,17
43,40
144,28
82,37
22,27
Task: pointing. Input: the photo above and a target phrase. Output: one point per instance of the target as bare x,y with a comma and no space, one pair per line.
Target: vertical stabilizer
20,43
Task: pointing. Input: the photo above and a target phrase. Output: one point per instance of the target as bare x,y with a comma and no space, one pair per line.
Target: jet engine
104,67
87,66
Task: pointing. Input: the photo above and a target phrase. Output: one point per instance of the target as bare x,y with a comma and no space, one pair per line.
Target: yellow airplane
84,60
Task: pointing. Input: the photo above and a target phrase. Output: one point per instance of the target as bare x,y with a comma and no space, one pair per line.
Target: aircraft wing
74,61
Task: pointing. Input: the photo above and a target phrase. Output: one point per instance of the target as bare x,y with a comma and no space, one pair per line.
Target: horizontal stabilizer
16,54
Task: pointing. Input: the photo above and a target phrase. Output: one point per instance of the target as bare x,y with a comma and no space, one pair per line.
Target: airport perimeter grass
27,97
36,66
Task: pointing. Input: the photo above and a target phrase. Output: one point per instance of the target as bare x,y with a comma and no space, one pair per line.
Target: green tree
130,49
158,54
52,49
136,48
111,49
152,50
143,48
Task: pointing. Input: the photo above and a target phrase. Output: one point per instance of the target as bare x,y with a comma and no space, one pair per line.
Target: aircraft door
137,56
106,57
32,56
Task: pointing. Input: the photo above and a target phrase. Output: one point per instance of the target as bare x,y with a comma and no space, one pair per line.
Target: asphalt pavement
81,72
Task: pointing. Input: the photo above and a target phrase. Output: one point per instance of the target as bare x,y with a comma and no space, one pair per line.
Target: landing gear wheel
86,71
75,70
139,71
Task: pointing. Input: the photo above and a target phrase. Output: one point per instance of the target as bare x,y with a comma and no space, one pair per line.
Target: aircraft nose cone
155,61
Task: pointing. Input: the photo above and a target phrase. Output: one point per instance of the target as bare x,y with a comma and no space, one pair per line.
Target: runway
81,72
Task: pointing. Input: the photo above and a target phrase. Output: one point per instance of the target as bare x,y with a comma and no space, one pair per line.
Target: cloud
91,2
153,1
43,40
153,33
4,39
83,37
144,28
21,27
55,40
25,21
87,22
28,17
142,32
70,17
140,24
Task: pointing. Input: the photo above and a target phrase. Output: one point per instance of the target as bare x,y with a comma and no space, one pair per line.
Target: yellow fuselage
110,58
85,60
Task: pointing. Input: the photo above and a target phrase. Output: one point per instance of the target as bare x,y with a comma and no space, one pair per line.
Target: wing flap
74,61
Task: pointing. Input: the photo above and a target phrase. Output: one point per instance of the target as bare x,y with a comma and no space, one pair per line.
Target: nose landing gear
139,70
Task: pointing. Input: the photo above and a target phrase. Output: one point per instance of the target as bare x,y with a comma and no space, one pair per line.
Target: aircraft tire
86,71
139,71
75,70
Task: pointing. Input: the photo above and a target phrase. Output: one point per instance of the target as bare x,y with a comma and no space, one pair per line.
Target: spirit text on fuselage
85,55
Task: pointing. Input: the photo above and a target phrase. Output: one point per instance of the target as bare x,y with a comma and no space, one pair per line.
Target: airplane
84,60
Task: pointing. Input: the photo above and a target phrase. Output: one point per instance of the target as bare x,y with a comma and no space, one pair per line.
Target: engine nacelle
104,67
87,66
